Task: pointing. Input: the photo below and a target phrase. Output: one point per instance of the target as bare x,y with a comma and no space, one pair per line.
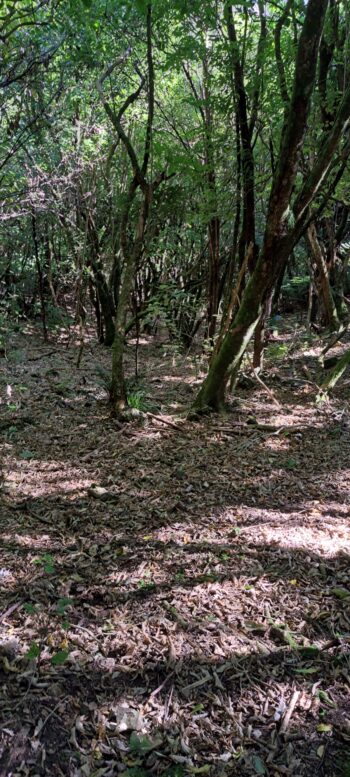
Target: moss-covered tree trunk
212,392
336,372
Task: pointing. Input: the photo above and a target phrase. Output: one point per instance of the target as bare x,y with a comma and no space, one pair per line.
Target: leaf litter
174,596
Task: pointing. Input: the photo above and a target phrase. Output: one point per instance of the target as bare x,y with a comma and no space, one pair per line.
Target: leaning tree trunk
237,338
279,240
323,287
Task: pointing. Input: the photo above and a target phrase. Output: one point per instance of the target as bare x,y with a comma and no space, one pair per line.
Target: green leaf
60,657
258,765
290,464
323,728
29,607
341,593
310,651
289,639
136,771
47,561
33,652
26,455
323,696
62,605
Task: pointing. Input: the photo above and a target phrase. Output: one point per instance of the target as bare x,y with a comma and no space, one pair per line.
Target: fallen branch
162,420
270,393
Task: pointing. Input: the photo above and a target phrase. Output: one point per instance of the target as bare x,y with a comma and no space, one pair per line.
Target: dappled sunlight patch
328,540
187,380
277,444
196,598
28,541
35,478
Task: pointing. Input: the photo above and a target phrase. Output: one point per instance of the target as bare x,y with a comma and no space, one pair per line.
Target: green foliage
137,395
63,604
345,767
290,463
33,652
276,350
26,455
140,744
47,562
138,401
30,608
59,658
295,292
57,317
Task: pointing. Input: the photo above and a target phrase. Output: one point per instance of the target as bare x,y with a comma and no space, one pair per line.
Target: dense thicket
182,162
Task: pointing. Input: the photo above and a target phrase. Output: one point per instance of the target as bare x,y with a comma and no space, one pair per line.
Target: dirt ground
174,595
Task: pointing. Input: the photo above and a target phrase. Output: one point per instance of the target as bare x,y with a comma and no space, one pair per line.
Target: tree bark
329,316
279,240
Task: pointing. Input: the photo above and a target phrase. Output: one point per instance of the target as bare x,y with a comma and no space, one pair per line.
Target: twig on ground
289,712
9,611
160,687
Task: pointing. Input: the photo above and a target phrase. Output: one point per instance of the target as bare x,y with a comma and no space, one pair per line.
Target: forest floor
174,595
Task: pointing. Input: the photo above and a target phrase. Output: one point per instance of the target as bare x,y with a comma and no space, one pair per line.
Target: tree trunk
106,306
336,372
40,279
259,337
238,336
213,281
279,239
131,259
329,316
